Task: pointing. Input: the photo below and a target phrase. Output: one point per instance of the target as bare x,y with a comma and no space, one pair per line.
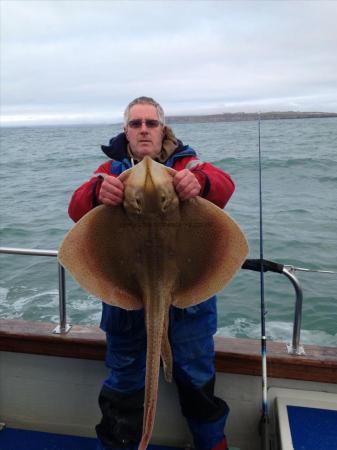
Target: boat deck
15,439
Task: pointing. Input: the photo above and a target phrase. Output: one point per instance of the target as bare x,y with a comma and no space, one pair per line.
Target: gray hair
144,101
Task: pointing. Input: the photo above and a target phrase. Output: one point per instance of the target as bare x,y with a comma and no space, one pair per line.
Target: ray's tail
155,328
166,352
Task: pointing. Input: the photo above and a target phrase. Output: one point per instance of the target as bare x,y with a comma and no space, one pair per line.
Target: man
191,329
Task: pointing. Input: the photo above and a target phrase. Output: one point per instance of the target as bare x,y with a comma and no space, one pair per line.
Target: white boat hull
58,394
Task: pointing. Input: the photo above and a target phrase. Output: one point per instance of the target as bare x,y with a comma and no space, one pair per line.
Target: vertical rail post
63,326
295,348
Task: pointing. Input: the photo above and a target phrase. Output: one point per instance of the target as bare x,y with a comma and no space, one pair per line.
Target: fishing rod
264,421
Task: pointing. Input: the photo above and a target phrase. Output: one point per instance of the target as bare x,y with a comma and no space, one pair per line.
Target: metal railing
257,265
295,348
250,264
63,327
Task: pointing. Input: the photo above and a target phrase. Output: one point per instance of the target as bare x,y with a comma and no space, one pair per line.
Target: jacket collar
118,146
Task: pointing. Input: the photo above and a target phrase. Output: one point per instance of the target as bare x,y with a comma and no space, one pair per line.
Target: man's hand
186,184
111,192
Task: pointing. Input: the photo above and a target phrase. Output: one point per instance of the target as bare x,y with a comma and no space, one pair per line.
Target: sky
83,61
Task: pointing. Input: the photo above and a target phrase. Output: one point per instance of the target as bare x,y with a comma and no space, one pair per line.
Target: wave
312,163
327,179
307,165
3,294
276,331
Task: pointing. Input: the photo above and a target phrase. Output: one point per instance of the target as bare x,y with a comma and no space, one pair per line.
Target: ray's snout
150,189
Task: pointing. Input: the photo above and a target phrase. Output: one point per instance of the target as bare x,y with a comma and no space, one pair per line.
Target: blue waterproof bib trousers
191,336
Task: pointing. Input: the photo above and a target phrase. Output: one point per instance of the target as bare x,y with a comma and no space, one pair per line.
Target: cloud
71,58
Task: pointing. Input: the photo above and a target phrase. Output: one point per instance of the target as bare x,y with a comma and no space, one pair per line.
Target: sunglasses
150,123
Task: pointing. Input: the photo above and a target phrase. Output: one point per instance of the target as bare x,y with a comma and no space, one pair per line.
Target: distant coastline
242,116
176,119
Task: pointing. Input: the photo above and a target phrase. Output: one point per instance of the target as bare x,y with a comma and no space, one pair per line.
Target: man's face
144,140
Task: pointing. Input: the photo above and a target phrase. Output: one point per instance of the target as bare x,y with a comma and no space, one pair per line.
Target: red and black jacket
216,185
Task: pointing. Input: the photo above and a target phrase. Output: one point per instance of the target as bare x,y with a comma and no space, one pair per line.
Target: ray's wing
98,253
210,250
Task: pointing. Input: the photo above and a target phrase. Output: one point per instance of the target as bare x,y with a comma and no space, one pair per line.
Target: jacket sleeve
216,185
85,197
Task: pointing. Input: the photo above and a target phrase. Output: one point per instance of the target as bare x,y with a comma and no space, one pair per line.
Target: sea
42,166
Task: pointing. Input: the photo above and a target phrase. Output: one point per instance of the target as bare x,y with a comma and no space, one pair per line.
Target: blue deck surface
13,439
313,428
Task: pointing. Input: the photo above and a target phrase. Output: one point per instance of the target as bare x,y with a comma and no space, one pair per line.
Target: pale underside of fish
153,252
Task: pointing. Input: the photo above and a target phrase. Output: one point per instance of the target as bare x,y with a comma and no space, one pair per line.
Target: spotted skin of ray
151,253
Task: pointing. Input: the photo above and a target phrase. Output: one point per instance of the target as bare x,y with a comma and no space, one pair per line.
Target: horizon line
72,121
